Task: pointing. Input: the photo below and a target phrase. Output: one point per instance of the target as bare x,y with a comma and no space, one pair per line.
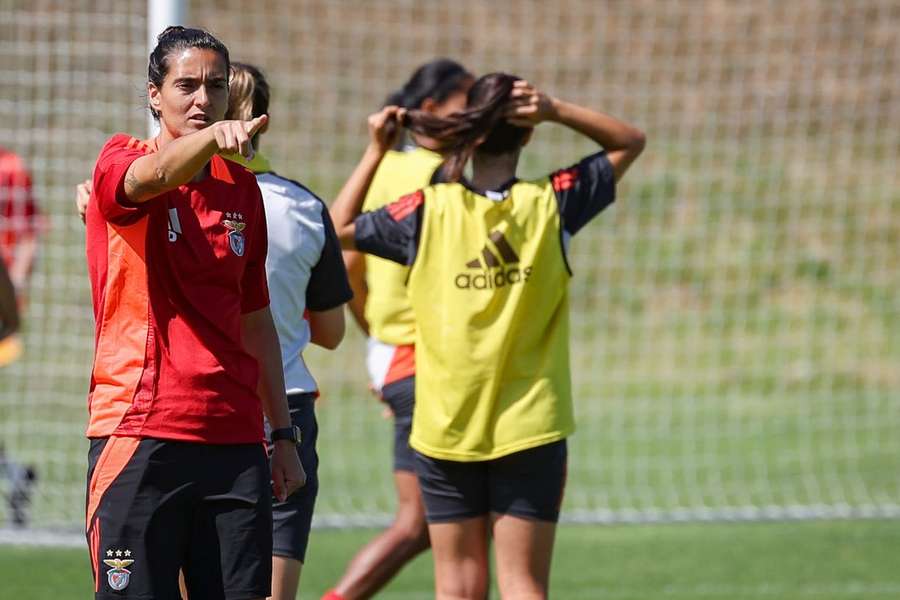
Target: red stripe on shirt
406,205
564,180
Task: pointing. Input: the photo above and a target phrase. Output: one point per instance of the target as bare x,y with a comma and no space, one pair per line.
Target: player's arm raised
384,126
623,142
181,159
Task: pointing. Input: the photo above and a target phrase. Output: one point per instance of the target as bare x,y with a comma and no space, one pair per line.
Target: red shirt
171,278
18,211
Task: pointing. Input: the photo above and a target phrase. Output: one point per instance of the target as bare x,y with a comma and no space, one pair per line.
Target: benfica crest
235,225
118,577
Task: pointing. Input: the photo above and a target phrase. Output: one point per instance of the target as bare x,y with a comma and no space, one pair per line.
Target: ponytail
483,125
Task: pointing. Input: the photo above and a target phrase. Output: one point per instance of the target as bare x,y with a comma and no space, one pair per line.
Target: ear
154,97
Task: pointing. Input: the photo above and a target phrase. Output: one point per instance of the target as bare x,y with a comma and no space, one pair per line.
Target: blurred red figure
19,228
19,218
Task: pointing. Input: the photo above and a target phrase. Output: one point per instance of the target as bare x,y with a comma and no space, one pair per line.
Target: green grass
826,560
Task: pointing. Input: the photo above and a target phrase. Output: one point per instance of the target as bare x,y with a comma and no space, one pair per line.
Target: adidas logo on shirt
174,225
497,262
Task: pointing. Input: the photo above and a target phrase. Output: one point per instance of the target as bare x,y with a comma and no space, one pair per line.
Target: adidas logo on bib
499,266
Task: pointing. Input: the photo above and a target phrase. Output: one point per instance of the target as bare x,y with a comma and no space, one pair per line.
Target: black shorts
293,517
157,506
401,397
527,484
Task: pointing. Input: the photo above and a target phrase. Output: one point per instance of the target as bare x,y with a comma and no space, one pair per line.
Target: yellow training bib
388,310
489,288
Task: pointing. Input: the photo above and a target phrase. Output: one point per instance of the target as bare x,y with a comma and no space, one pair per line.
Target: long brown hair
458,135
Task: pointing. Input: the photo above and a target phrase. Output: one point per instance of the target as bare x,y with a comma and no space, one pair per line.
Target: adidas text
489,280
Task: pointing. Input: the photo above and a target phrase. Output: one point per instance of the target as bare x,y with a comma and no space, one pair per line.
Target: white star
228,215
128,553
118,553
109,552
240,217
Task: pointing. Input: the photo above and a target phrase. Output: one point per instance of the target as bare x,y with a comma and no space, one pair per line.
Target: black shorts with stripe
527,484
157,506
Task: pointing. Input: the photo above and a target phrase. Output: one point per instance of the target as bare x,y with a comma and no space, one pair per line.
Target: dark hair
248,94
457,135
173,39
437,79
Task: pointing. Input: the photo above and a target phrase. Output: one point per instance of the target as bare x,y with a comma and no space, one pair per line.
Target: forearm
622,142
261,341
175,164
348,204
607,131
356,275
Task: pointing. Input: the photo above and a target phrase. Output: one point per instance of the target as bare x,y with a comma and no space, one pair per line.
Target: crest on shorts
234,222
118,576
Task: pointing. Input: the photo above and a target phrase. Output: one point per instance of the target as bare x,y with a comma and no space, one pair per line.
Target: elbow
330,335
330,340
638,142
163,178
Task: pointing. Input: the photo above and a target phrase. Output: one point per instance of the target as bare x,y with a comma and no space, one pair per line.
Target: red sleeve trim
406,205
565,179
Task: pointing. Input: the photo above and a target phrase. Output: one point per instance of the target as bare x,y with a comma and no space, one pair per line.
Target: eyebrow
213,78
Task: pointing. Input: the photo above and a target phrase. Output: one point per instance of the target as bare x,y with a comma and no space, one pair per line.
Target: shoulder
122,145
125,141
296,193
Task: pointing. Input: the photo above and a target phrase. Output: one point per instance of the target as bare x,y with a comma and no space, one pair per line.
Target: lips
200,119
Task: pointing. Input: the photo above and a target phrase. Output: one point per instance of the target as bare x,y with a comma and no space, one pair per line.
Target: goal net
735,315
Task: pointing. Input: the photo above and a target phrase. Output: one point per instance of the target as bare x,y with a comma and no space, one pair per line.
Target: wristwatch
291,434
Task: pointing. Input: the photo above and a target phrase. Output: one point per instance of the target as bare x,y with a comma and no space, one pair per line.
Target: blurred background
735,316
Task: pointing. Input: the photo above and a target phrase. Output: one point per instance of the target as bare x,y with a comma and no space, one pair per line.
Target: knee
412,530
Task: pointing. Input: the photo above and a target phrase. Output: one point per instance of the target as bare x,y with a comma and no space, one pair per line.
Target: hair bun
168,30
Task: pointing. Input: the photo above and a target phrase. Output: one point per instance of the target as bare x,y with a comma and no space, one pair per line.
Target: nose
201,96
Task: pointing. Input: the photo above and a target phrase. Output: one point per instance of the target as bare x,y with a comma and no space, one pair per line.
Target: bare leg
460,559
285,578
382,558
523,549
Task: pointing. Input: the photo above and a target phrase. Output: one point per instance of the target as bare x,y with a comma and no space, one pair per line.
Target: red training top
171,278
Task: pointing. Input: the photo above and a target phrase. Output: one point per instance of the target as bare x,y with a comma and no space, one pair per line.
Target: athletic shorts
157,506
401,397
527,484
293,517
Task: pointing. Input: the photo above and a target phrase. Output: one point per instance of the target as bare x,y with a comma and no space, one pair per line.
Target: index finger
256,124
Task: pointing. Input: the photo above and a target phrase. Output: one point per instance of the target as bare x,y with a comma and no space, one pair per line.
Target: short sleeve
254,285
109,181
392,232
584,190
328,286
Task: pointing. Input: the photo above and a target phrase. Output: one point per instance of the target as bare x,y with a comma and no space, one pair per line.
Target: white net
736,340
